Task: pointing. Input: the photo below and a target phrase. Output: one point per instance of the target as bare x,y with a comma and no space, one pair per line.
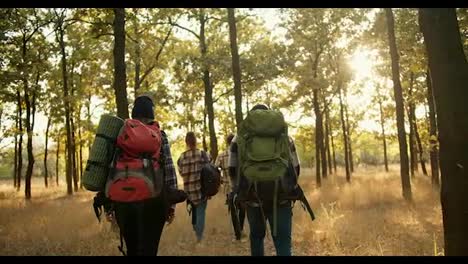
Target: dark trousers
141,225
282,240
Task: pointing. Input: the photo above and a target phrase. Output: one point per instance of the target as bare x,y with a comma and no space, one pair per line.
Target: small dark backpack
210,177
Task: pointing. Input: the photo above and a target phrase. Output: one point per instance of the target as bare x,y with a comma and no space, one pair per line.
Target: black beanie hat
143,108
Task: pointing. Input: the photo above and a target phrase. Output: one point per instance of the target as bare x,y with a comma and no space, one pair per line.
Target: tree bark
434,151
69,149
46,170
327,139
400,112
333,152
137,58
120,76
345,136
236,71
57,159
449,74
348,134
20,141
205,146
412,141
15,169
419,145
384,140
72,124
80,156
208,87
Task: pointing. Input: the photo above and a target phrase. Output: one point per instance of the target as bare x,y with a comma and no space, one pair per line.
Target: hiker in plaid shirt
222,162
190,164
282,240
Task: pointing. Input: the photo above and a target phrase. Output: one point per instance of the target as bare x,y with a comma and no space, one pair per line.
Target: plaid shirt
222,162
233,162
169,169
190,164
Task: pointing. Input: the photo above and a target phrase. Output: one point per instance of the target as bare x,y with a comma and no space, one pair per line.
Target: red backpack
135,171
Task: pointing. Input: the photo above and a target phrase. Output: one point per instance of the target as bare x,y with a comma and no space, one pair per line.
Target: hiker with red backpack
141,189
201,181
264,162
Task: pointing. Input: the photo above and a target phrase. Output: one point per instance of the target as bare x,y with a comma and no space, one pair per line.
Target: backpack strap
205,156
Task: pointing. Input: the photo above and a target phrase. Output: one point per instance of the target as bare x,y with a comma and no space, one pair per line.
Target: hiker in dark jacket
257,214
190,165
141,222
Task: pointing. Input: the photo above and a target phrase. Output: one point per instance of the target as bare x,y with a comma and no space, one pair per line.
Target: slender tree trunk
72,124
412,141
327,139
345,136
15,169
29,126
137,58
333,152
57,159
434,151
449,74
20,142
419,145
208,88
400,112
318,135
68,147
80,156
384,140
205,145
46,170
120,76
236,71
348,134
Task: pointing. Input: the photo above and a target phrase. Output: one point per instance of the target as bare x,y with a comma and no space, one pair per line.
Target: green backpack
263,149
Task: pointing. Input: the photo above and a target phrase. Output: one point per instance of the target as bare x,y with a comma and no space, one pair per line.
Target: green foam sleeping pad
102,150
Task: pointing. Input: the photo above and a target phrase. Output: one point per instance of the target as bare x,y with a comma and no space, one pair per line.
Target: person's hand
170,216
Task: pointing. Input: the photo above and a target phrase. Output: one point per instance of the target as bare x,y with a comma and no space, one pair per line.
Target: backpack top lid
264,123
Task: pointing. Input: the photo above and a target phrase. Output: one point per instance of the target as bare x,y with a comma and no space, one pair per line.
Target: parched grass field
366,217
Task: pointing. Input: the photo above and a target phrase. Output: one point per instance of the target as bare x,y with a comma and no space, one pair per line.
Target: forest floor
366,217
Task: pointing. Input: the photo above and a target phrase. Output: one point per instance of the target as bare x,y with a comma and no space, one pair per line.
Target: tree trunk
412,141
15,169
327,139
348,134
120,76
419,145
46,170
208,88
345,136
236,71
434,151
333,152
137,58
449,74
29,125
57,159
69,149
205,146
80,156
72,124
384,140
400,112
20,142
318,135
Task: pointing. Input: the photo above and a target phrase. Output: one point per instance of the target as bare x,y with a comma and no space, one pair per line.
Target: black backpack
210,178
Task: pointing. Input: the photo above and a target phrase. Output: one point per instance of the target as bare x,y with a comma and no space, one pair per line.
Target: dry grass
366,217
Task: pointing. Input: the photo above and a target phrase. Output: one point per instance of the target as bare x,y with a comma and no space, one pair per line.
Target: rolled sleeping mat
101,153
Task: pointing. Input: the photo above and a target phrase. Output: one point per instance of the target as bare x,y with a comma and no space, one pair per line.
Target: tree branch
223,94
184,28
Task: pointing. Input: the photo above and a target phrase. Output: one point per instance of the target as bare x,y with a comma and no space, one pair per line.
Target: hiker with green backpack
264,162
